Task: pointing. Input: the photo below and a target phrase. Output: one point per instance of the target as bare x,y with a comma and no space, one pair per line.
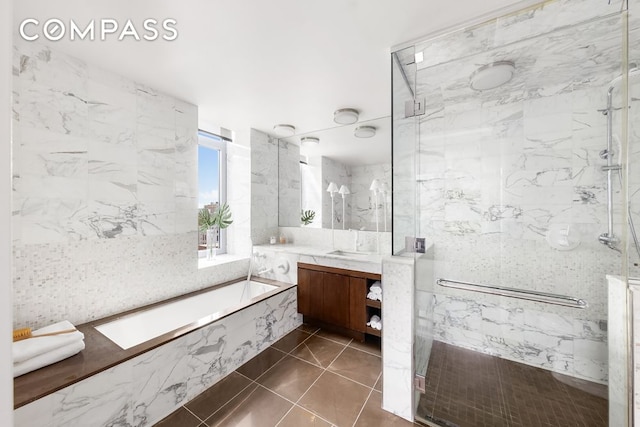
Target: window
212,160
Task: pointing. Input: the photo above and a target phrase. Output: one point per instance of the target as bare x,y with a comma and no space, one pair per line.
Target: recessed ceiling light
364,132
345,116
492,75
419,56
284,130
309,140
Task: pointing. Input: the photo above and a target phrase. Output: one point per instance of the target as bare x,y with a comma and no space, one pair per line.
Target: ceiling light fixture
364,132
492,75
284,130
419,57
346,116
309,140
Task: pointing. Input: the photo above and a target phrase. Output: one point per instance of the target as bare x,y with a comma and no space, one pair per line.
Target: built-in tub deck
101,353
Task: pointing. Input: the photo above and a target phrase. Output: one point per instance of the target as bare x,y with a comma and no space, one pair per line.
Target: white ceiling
256,63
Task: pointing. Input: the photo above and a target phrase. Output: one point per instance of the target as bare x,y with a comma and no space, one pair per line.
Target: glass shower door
511,195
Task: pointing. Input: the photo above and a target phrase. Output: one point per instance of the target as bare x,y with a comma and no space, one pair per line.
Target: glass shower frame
406,226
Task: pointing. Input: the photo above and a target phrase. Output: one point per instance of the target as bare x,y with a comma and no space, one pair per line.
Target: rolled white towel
374,297
374,319
48,358
378,325
376,285
33,347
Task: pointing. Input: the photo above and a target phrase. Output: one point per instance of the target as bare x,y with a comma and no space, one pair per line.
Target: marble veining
498,172
104,191
143,390
264,187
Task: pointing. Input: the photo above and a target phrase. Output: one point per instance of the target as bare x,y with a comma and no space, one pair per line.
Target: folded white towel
377,325
376,285
47,358
32,347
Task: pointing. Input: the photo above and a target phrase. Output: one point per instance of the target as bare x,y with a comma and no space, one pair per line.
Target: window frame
216,142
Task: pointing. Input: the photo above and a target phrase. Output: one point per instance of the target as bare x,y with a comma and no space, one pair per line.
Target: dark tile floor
308,378
470,389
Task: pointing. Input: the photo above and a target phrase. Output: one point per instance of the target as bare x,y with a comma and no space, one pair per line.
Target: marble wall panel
502,173
264,187
104,191
289,183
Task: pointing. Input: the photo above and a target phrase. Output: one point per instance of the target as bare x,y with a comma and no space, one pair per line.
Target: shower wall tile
502,173
143,390
558,342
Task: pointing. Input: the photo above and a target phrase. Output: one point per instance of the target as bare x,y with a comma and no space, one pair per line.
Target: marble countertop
362,261
324,252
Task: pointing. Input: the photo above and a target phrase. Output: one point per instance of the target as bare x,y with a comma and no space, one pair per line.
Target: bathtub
222,328
195,311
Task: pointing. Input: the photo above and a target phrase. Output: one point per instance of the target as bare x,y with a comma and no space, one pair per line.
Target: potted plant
306,217
211,224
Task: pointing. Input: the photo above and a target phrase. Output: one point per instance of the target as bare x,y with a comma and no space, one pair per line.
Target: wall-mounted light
364,132
284,130
346,116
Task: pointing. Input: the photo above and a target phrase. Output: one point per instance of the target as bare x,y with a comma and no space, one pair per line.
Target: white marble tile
35,414
397,345
106,398
264,187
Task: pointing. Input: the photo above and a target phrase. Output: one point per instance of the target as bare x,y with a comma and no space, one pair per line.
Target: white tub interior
137,328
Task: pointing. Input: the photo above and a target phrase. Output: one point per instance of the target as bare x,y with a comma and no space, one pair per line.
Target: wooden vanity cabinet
334,297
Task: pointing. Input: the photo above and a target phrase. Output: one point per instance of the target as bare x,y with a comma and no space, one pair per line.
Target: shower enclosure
514,147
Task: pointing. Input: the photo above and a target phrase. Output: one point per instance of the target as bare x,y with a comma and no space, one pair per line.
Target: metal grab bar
516,293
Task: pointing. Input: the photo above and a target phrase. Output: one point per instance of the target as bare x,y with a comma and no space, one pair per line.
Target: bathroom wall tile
289,204
264,186
397,346
340,174
362,201
239,198
99,158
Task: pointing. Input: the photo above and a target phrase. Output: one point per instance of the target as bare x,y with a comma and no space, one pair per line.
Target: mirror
306,168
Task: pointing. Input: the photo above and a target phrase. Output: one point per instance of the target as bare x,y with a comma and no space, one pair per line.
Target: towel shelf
373,303
548,298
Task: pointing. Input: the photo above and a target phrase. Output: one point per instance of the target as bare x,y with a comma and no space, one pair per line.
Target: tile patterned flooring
471,389
308,378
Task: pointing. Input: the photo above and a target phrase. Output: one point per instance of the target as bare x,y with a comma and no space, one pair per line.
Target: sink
349,254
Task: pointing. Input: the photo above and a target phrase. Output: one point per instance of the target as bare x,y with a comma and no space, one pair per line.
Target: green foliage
307,216
221,218
205,220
